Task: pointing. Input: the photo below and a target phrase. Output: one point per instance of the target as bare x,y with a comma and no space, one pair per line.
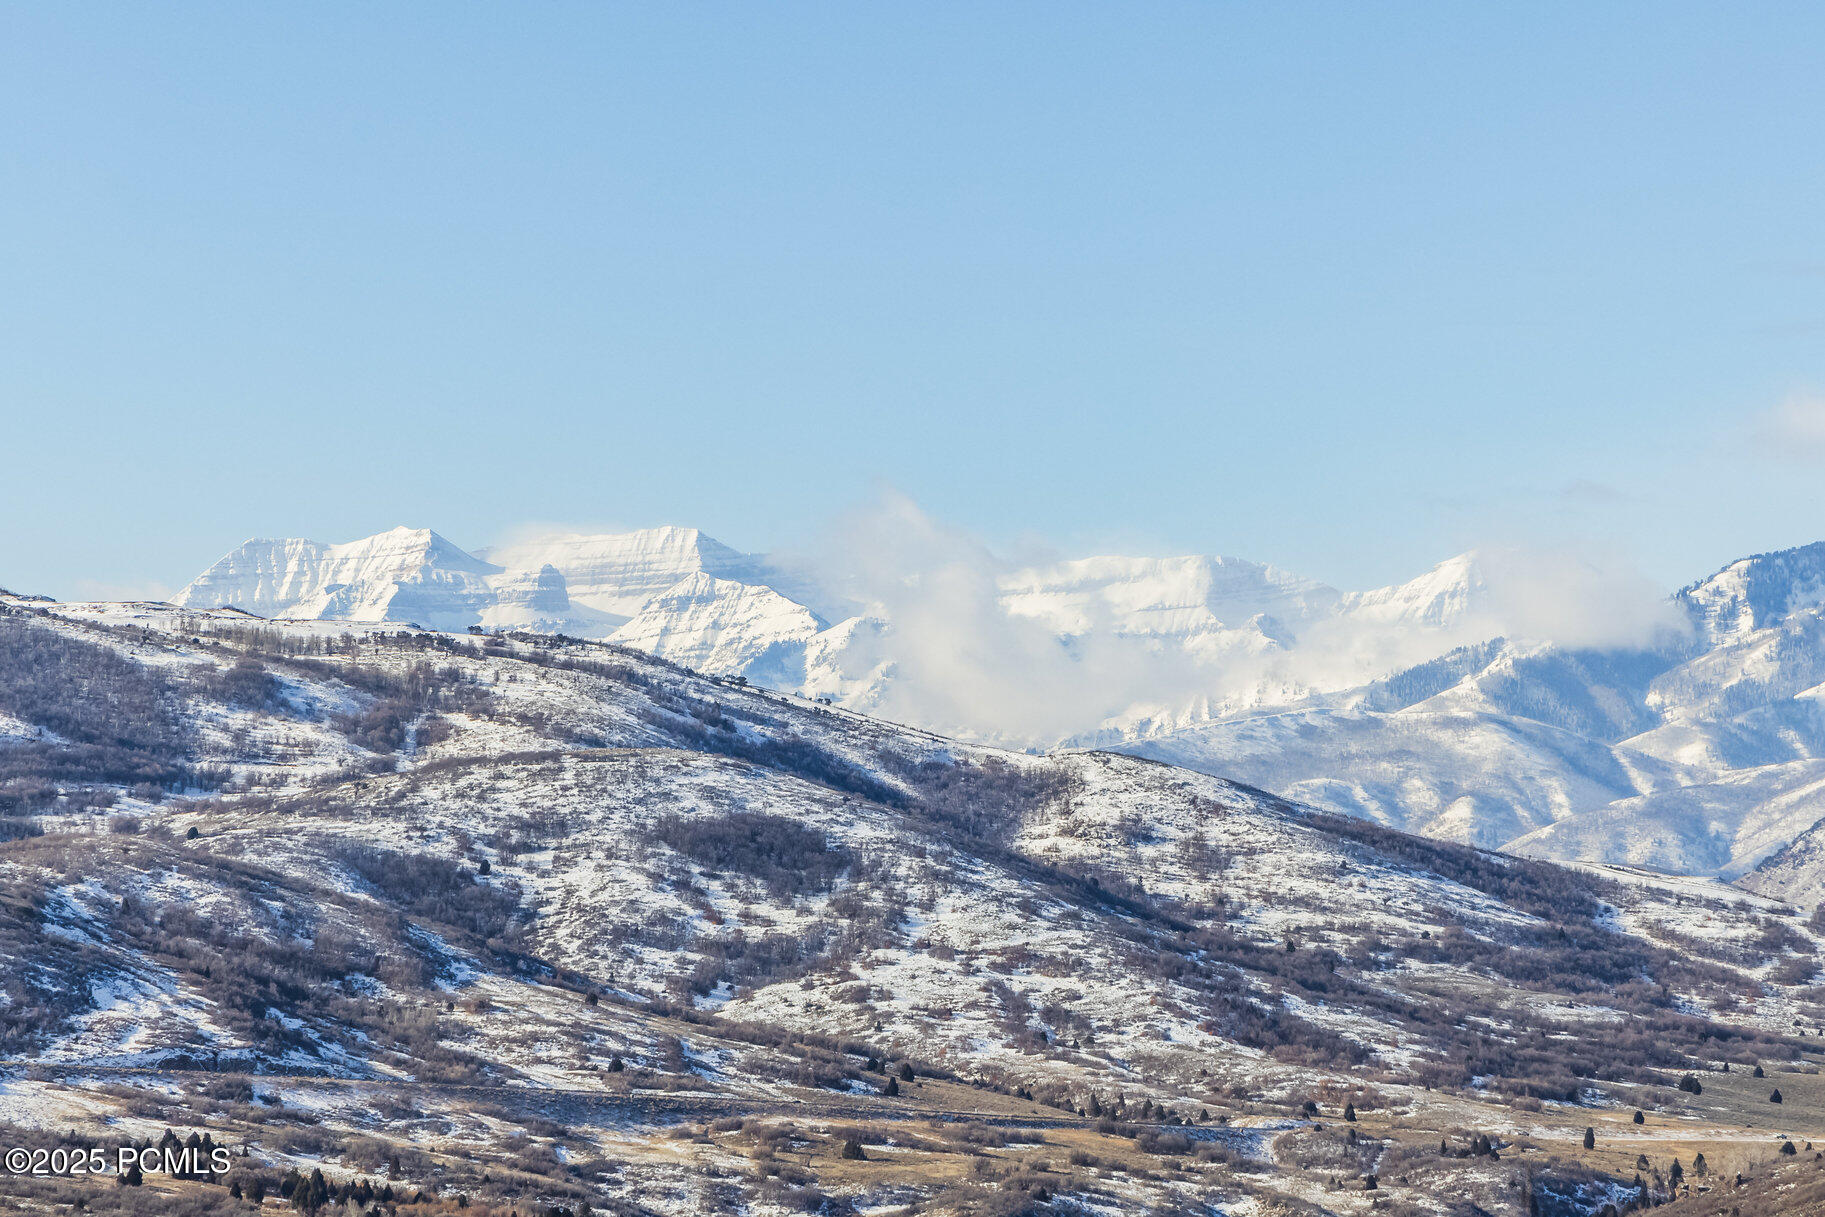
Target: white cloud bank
963,662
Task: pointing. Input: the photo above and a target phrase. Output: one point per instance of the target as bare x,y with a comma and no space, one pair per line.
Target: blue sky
1343,287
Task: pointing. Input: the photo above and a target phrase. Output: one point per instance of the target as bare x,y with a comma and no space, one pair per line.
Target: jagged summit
588,585
401,574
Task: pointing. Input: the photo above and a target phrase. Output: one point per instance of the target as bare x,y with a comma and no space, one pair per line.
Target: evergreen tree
1349,1113
1758,1072
312,1194
1590,1138
1639,1118
1775,1097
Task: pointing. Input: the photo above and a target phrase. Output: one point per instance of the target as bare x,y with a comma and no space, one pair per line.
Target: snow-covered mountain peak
1442,598
410,550
375,578
619,572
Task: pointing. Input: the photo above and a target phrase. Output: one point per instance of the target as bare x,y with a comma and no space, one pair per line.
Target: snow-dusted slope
1721,827
1796,872
1465,777
1755,592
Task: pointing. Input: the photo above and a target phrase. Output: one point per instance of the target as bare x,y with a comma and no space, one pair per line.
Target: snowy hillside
544,921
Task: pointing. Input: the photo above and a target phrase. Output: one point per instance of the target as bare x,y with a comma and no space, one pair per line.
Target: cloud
1573,599
961,662
1793,430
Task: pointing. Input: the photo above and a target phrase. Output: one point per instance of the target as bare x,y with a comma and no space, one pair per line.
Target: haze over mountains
1475,702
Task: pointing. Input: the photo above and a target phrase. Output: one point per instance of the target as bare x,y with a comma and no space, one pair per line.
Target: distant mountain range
1699,747
1700,752
688,598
